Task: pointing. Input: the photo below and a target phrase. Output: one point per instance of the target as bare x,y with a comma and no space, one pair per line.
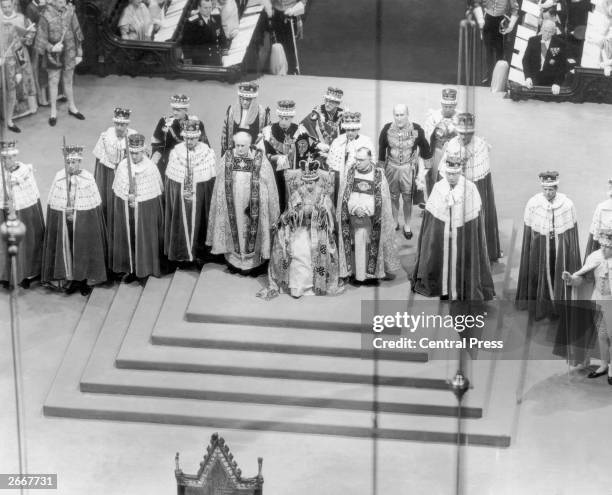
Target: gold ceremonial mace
12,232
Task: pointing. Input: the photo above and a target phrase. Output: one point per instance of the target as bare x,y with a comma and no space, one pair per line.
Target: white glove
78,60
297,9
607,70
282,162
479,17
547,4
18,78
529,83
58,47
322,147
556,89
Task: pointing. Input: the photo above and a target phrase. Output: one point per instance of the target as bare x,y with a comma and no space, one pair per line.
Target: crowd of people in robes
310,204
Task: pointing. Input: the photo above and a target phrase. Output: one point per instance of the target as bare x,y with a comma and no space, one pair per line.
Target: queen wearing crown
304,257
190,178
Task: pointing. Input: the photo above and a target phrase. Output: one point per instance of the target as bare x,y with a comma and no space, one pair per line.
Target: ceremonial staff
13,232
297,60
131,198
69,212
466,75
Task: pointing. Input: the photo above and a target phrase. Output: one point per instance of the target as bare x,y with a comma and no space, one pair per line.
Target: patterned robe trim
434,117
110,149
83,191
476,154
401,144
24,189
327,129
148,183
463,198
286,148
323,249
602,218
539,214
376,222
202,159
254,166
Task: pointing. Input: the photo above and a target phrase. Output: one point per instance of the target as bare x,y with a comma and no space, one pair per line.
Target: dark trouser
281,25
494,42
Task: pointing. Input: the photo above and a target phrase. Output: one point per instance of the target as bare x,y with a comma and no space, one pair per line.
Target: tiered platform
173,352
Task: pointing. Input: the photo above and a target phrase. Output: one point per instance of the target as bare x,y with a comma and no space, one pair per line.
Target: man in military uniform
279,144
400,144
203,36
109,151
491,16
59,42
167,133
323,123
286,21
246,115
439,129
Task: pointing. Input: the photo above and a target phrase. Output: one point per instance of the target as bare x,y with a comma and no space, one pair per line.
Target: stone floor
560,441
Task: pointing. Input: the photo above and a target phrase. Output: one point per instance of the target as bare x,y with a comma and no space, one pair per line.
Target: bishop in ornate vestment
244,207
366,243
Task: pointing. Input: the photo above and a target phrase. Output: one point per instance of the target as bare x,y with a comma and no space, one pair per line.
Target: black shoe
86,290
14,128
25,283
609,380
44,105
128,278
76,115
597,374
421,206
408,234
52,121
397,227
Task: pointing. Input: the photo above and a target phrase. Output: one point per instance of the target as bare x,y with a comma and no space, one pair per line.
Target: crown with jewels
8,148
466,122
549,178
179,101
248,90
190,127
285,108
351,121
136,142
454,162
449,96
310,168
73,152
334,94
605,237
122,115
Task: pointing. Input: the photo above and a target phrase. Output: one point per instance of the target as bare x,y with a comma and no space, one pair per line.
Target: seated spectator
229,17
156,9
136,23
545,59
203,36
